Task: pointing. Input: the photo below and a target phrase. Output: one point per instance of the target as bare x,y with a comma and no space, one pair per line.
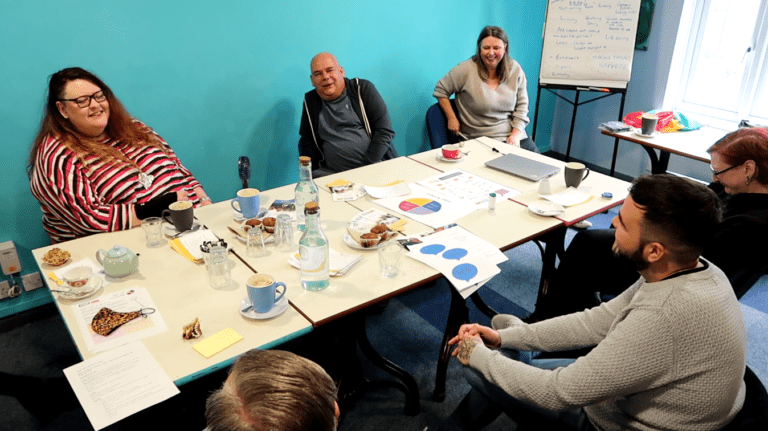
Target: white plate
170,230
348,240
238,216
278,309
93,286
443,159
545,208
639,132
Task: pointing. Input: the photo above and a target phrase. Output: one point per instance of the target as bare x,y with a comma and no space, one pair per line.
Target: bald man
345,123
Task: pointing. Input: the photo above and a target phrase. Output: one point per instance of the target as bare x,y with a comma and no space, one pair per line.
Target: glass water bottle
306,190
314,251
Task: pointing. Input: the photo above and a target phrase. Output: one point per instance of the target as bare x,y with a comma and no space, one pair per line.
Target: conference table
692,144
180,290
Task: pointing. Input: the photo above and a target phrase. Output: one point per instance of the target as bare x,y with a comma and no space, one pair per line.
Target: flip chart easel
588,46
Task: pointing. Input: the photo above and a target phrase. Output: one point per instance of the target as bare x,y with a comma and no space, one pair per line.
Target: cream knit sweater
669,355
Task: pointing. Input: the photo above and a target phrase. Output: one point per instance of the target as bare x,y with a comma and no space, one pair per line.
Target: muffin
369,240
254,222
379,229
268,224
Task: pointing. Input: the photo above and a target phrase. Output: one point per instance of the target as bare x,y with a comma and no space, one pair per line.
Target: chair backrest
754,414
437,126
743,280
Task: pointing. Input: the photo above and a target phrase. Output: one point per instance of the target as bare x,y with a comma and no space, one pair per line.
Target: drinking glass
219,269
256,246
284,233
389,258
153,231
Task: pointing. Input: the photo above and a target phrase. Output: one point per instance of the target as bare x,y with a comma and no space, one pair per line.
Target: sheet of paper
426,206
467,187
468,240
351,193
194,240
134,299
399,189
455,257
119,383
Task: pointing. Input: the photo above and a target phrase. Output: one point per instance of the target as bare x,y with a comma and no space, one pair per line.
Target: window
723,76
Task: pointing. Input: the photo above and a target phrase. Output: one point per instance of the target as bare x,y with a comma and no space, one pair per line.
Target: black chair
754,414
437,126
743,280
244,170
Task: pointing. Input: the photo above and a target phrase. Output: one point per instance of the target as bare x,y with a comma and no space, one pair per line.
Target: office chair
437,126
754,414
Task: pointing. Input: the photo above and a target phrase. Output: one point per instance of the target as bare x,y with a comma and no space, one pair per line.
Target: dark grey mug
182,215
575,173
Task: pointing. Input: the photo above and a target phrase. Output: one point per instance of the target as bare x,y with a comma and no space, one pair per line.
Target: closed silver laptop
522,167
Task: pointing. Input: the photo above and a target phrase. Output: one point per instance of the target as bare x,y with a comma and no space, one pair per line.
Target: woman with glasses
491,93
93,168
739,177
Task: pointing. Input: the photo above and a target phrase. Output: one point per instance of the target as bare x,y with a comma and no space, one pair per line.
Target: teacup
77,278
575,173
182,215
451,151
261,292
247,201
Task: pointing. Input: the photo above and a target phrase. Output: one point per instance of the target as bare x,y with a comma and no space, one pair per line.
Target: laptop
523,167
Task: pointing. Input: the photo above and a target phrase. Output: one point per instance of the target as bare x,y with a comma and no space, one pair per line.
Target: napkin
340,263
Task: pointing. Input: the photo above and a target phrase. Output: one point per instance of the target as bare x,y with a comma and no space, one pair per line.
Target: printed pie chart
420,206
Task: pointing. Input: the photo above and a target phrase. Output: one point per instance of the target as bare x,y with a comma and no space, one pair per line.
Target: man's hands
471,335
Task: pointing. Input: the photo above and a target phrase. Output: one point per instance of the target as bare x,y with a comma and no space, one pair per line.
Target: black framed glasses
84,101
717,173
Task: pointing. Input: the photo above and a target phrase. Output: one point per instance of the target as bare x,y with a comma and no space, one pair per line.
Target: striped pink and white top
78,201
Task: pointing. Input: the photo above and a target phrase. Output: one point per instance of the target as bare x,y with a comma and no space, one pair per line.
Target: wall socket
4,289
32,281
9,258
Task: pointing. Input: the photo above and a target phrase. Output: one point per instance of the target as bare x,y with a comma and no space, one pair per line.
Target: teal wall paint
222,79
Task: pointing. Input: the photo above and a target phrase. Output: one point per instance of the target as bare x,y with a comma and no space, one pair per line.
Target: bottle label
313,259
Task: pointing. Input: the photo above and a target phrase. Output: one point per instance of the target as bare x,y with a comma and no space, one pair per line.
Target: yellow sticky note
217,342
337,183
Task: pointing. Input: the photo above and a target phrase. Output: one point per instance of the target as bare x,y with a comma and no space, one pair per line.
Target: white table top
181,293
478,153
359,287
692,144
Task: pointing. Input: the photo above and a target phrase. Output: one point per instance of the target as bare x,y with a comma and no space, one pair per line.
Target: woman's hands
471,335
514,137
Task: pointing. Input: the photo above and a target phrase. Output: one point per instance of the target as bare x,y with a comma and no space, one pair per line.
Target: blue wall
222,79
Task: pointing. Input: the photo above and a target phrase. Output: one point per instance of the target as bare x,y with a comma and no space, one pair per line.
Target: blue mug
247,201
261,292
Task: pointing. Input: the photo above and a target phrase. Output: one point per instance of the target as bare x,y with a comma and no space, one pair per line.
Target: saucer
170,230
278,309
639,132
348,240
457,160
545,208
238,216
93,286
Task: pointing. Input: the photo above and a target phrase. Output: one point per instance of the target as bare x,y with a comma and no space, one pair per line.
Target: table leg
555,244
353,383
458,314
408,385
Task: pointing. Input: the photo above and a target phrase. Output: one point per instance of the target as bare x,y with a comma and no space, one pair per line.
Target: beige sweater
669,355
482,111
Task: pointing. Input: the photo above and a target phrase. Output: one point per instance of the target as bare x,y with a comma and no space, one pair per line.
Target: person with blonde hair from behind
274,390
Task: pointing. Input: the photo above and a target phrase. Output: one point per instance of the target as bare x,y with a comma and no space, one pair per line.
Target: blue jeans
485,401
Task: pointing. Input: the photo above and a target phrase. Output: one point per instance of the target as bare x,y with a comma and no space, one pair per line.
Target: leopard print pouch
106,320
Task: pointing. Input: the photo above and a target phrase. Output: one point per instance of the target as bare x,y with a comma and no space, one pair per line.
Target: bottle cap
311,206
305,159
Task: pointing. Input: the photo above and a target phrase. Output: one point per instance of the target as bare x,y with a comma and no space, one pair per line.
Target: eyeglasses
84,101
717,173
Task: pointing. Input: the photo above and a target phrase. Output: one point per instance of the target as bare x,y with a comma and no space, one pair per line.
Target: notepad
217,342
